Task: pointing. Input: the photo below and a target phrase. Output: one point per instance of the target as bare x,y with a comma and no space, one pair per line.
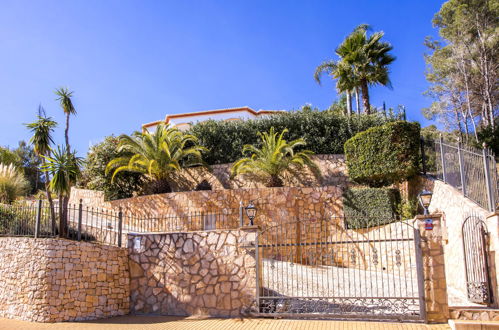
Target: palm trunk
49,198
62,228
66,134
349,103
357,100
365,96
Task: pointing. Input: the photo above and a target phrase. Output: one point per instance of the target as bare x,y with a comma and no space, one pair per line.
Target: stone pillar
492,222
435,285
249,242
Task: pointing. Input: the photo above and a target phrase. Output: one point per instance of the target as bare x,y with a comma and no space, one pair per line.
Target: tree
157,156
345,77
64,97
275,158
124,185
463,67
369,58
65,170
42,140
29,163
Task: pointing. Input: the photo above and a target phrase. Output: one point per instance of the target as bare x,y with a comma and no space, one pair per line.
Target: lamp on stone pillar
424,198
250,212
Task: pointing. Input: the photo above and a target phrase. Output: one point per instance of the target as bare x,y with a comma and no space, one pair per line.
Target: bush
325,132
384,155
13,184
369,207
94,172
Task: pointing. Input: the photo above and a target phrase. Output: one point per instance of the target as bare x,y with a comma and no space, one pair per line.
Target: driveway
180,323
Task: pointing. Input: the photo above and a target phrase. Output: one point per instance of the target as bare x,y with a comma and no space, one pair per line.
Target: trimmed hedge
324,131
384,155
370,207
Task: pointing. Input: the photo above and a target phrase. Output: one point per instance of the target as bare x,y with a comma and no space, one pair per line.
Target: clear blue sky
132,62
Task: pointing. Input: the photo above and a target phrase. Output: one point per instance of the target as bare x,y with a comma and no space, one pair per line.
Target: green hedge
384,155
369,207
324,131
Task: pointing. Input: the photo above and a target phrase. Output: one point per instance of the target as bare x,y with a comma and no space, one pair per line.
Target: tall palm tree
157,155
65,170
42,140
275,158
64,98
369,59
343,73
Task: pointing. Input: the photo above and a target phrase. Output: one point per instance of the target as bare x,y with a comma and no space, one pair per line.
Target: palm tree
65,170
157,155
41,140
369,58
343,73
64,97
275,158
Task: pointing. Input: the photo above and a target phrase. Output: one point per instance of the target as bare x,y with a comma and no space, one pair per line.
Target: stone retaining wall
197,273
455,208
53,280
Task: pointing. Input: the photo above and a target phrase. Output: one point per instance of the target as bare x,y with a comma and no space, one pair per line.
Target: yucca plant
274,159
65,170
158,156
12,183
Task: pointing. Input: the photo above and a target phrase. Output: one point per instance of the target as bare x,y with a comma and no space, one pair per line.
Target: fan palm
65,170
41,140
275,158
369,58
157,155
343,73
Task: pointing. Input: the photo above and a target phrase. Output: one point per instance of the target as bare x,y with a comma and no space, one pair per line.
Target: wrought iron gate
475,259
322,269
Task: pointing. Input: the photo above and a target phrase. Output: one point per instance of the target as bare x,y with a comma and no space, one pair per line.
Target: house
183,121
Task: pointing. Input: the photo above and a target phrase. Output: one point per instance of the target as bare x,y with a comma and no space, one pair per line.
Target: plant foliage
369,207
384,155
273,159
12,183
94,177
325,132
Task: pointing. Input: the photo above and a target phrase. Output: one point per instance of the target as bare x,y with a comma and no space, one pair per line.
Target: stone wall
455,208
197,273
274,204
53,280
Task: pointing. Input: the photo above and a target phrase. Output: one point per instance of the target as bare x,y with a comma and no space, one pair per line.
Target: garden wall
53,280
274,204
455,208
197,273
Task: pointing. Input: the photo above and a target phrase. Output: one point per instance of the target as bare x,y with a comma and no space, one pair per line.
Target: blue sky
132,62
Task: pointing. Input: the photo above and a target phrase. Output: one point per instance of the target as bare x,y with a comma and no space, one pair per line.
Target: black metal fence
470,170
34,219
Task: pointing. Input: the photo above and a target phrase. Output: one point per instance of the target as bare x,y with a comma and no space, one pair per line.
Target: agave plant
274,159
12,183
157,156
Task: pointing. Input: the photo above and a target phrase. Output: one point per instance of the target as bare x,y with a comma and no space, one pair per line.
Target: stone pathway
179,323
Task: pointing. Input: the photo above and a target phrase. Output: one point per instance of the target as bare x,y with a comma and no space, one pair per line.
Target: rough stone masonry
193,273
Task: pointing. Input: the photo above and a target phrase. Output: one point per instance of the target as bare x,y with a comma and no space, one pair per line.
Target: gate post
249,240
435,285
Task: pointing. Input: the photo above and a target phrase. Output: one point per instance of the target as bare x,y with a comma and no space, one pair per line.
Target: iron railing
470,170
34,219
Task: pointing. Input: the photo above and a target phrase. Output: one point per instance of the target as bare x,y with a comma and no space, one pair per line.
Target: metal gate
475,259
324,269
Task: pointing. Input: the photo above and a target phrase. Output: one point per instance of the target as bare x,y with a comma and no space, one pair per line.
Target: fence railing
34,219
470,170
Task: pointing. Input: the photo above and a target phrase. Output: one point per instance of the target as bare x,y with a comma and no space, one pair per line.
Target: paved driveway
179,323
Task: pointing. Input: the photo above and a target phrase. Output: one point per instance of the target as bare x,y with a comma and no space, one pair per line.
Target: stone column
492,222
249,242
435,285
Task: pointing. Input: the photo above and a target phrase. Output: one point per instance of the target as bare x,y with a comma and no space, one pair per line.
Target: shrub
12,183
369,207
384,155
325,132
94,172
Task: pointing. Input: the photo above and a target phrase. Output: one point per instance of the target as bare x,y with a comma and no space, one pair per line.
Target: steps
474,318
